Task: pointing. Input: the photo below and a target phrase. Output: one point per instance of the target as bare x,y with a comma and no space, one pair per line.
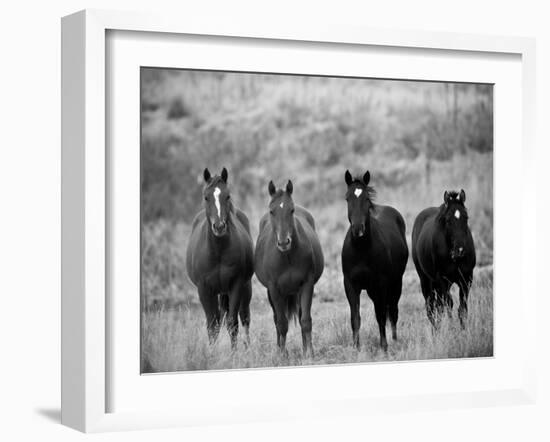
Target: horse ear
224,175
271,188
366,178
446,197
206,175
348,177
289,187
462,196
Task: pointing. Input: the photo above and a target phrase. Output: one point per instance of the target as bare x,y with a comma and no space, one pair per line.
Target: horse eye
205,198
228,196
292,211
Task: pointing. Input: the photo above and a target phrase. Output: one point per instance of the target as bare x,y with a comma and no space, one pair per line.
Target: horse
374,256
220,260
444,254
288,261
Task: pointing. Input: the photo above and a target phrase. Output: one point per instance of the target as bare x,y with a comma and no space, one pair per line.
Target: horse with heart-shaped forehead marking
374,256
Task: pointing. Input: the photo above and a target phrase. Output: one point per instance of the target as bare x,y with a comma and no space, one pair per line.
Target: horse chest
370,268
291,279
452,271
220,269
361,273
220,276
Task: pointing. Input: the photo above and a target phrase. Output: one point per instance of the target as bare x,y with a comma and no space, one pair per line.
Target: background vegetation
416,138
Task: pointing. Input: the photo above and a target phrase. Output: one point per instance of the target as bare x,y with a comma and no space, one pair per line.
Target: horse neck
441,238
372,229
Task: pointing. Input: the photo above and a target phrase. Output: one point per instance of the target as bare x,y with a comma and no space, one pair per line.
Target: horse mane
440,217
371,191
453,194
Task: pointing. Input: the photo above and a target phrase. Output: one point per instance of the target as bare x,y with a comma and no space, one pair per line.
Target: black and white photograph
266,222
292,220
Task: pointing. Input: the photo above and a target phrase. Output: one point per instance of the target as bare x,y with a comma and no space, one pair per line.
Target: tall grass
176,339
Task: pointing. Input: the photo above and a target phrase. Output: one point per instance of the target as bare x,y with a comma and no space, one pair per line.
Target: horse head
281,212
217,202
453,218
359,197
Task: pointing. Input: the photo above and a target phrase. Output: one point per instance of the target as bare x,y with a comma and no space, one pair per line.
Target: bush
177,109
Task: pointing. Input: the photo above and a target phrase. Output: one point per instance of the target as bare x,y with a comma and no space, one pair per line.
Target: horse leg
393,309
209,302
279,314
270,299
429,298
223,306
441,298
446,299
353,299
233,311
381,312
244,310
464,288
272,307
449,304
306,296
438,306
431,310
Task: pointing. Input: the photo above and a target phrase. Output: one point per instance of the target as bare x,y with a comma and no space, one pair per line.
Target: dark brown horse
220,259
288,262
444,254
374,256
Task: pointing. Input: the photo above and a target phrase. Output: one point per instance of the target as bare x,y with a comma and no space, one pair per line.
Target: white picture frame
86,203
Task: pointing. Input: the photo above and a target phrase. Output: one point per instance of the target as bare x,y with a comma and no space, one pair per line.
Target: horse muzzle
285,244
457,253
358,231
219,228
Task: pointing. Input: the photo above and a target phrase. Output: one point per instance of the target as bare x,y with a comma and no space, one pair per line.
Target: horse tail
293,309
223,303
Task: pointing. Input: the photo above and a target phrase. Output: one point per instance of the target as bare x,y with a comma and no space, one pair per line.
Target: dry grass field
417,139
175,339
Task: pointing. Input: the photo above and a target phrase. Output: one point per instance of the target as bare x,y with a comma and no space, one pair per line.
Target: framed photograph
251,211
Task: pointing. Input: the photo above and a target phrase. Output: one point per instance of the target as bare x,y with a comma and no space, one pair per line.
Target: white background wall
30,215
